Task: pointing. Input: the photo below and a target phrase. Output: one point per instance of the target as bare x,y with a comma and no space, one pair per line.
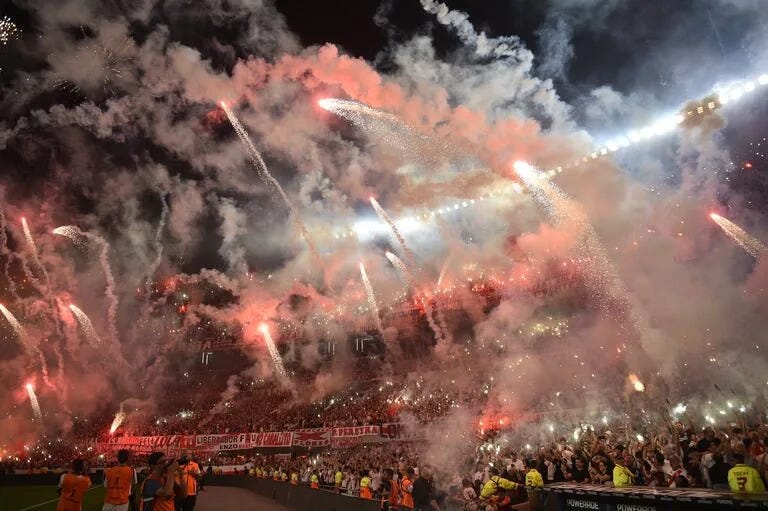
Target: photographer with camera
161,487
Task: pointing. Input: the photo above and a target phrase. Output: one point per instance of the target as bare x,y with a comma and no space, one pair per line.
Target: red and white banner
141,444
238,441
353,435
315,437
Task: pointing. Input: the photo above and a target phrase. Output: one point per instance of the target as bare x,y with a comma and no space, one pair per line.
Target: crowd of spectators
673,455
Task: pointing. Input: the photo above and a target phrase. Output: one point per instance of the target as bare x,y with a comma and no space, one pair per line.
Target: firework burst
8,30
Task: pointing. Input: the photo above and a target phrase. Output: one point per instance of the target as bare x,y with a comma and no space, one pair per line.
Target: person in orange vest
72,487
365,485
118,481
389,490
159,488
406,489
190,474
314,481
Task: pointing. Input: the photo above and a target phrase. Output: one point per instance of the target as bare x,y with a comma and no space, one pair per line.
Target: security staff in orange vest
190,474
389,491
118,481
72,487
314,481
365,485
406,489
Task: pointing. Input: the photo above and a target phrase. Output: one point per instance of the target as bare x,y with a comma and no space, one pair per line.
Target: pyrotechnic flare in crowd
636,383
276,360
79,238
33,401
85,323
269,180
117,421
749,243
8,30
407,278
387,220
371,298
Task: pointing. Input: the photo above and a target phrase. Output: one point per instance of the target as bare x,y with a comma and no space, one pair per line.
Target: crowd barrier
298,497
587,497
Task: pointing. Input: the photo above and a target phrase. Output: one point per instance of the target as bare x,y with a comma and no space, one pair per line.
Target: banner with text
314,437
353,435
346,436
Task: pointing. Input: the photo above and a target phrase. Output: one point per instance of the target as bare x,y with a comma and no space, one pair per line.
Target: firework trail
80,239
33,401
269,180
409,282
636,383
158,246
749,243
85,324
43,367
276,360
20,332
9,256
63,398
8,30
600,276
25,342
443,271
371,298
442,333
388,220
33,250
419,146
117,421
46,279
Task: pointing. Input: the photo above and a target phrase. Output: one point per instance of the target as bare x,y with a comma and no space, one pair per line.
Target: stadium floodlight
763,79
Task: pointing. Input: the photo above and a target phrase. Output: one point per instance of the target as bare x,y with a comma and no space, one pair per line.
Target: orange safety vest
365,488
158,503
73,488
407,499
119,482
393,493
189,472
